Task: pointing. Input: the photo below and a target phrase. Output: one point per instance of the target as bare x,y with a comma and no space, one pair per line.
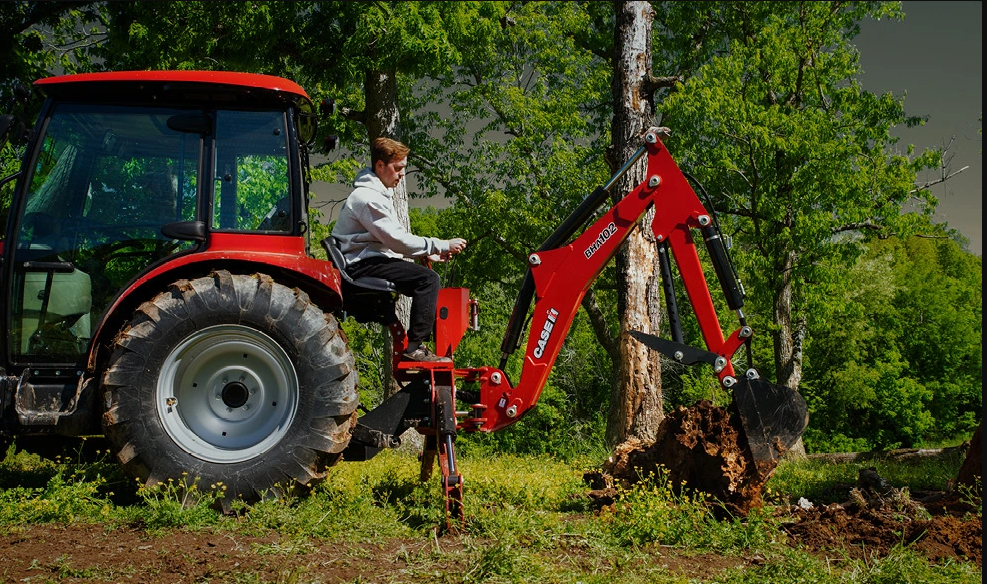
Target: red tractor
158,288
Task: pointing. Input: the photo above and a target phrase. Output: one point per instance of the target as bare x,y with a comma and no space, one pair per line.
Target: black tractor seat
331,245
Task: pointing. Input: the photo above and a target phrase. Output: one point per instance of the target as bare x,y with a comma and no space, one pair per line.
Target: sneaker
423,355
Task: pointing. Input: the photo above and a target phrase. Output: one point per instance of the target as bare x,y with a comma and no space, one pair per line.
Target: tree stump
702,448
971,471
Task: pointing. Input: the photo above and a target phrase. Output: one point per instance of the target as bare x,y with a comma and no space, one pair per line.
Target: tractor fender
282,258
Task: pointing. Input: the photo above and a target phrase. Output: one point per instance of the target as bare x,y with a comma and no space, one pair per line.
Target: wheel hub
235,394
228,393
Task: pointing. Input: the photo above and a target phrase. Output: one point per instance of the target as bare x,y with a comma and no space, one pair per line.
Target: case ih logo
546,332
606,234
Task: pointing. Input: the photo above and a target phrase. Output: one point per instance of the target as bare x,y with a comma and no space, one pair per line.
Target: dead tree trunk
636,399
972,470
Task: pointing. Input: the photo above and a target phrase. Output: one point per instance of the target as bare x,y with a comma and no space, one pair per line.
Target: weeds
654,512
973,496
62,500
527,520
179,503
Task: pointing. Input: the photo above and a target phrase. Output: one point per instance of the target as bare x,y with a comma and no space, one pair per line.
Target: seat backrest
331,245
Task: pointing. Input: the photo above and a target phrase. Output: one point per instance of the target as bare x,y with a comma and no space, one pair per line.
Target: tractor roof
215,87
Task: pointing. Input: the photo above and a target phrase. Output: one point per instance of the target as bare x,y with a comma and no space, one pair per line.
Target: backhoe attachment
773,417
561,271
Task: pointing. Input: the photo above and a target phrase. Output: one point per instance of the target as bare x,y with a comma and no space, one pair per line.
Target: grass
820,481
528,521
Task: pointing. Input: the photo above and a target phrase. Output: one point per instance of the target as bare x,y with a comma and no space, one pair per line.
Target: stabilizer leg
445,439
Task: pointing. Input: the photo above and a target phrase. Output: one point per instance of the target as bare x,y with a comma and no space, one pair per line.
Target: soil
701,448
92,553
869,527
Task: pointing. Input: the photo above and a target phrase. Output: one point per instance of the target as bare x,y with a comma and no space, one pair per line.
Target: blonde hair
387,150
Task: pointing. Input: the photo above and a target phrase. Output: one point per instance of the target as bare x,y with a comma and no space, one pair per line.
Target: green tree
524,142
895,359
42,37
800,160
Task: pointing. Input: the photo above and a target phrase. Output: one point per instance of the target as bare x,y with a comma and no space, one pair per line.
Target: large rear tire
230,379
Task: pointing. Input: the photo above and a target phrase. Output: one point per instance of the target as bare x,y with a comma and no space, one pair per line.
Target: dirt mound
701,447
866,528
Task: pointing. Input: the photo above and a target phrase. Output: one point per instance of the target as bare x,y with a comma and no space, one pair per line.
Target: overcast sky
935,57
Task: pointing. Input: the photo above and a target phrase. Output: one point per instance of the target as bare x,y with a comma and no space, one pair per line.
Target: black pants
411,279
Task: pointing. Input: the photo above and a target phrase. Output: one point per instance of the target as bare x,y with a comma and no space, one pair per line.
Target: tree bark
788,340
636,399
384,119
971,471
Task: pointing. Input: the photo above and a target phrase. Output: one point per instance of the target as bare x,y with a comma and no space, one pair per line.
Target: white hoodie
367,225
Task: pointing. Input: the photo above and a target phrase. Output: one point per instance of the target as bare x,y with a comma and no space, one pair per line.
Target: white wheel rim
226,394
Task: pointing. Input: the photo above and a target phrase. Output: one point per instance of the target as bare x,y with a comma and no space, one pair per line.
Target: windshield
104,182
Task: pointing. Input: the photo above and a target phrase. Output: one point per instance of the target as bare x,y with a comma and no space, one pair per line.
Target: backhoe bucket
773,417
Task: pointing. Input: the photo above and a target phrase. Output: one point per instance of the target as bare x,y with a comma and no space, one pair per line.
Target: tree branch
857,226
942,178
352,114
652,83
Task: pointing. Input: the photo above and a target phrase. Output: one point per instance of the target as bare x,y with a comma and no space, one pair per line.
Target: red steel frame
562,277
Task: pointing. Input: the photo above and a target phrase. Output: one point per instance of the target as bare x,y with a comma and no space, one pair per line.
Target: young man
376,244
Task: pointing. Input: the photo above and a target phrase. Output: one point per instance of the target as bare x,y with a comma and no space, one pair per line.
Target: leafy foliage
800,159
506,107
896,359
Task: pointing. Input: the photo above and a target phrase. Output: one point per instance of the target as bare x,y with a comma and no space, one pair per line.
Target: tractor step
41,398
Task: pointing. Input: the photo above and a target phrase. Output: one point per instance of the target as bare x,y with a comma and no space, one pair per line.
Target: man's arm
385,228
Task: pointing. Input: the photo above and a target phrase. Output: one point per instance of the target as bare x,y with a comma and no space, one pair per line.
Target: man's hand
456,245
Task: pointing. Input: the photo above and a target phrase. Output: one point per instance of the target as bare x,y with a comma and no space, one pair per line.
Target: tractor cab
132,181
115,188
